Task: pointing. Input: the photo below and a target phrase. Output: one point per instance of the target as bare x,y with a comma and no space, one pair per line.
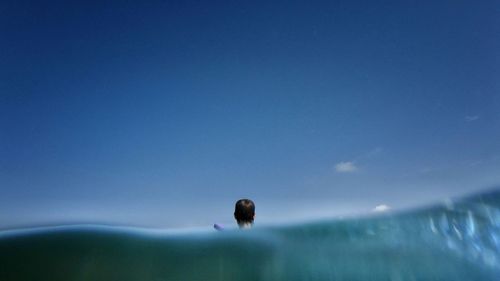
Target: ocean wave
457,240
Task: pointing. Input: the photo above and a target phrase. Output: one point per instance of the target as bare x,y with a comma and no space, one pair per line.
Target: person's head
244,212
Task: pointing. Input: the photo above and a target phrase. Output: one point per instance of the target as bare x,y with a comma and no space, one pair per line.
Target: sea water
459,240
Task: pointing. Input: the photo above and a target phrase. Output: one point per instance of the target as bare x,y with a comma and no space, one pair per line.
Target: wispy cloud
475,163
345,167
427,170
471,118
374,152
350,166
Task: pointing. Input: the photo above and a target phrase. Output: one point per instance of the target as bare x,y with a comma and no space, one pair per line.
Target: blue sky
163,114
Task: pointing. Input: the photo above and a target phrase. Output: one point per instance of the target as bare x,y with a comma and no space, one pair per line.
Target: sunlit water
453,241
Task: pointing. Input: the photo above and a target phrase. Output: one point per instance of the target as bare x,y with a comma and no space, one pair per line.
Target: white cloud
345,167
381,208
471,118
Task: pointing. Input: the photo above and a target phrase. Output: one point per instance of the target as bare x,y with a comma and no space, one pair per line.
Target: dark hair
244,211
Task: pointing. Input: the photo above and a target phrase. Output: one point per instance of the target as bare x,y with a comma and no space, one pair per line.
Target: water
453,241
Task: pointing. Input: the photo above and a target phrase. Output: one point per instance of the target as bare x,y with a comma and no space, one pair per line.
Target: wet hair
244,211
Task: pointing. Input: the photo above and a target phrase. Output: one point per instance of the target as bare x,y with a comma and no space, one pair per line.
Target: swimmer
244,213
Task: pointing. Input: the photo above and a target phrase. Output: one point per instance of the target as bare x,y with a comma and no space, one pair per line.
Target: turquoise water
454,241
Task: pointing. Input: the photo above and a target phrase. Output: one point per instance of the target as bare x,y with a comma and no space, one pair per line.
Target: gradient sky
163,114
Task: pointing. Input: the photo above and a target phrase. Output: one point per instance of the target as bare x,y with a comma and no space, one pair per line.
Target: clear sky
164,114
